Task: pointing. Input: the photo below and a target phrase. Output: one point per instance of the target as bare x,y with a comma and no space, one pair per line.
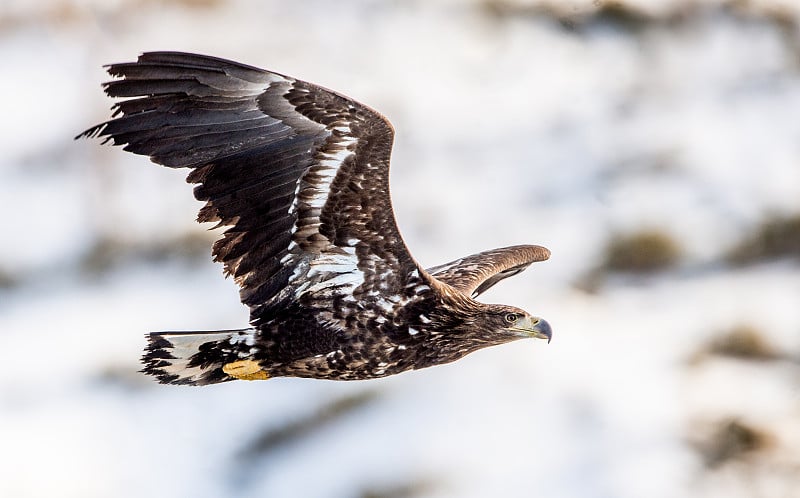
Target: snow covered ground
560,123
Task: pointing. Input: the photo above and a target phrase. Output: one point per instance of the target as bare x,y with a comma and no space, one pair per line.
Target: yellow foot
245,370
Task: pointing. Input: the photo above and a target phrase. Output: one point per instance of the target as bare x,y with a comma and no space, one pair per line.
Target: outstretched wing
475,274
298,174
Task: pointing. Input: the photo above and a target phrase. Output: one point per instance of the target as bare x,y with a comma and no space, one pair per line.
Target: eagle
298,177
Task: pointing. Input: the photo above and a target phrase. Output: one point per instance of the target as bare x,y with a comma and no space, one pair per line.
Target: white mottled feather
185,345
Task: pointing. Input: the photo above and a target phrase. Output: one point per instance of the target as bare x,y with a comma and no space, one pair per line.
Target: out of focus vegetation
574,15
275,437
410,489
643,251
732,439
616,14
630,16
6,280
69,12
775,237
744,342
110,253
639,252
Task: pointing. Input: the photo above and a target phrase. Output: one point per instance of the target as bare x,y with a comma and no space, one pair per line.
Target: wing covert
298,174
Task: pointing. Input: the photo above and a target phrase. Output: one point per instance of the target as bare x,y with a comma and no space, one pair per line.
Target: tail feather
195,358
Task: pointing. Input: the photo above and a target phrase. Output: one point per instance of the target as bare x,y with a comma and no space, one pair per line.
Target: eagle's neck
455,328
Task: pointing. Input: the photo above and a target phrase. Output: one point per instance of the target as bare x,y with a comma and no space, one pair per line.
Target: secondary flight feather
298,177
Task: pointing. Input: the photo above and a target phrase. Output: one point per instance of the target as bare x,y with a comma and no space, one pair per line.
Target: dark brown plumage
298,176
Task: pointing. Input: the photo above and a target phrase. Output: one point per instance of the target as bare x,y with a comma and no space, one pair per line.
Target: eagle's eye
511,317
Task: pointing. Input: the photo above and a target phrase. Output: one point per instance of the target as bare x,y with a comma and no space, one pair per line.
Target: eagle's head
470,325
507,323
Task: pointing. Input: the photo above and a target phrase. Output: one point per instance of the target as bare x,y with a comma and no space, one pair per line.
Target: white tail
195,358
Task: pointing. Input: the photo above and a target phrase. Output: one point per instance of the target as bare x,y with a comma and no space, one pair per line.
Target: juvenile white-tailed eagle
299,177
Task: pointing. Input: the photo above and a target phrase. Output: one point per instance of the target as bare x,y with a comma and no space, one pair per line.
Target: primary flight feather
299,177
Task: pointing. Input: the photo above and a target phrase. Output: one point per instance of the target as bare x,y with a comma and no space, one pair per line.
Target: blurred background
653,146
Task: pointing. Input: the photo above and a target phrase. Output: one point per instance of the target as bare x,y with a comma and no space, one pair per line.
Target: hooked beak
536,328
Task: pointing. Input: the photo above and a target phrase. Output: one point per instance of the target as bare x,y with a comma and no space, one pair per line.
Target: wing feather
475,274
297,174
